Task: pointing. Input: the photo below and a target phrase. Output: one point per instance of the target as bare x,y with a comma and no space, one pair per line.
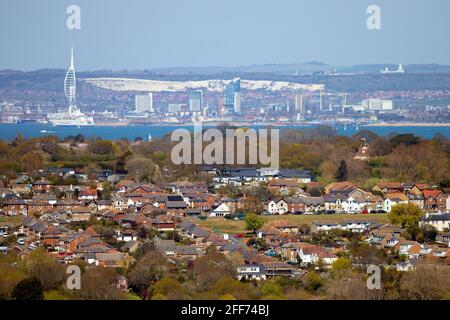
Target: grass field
233,227
16,220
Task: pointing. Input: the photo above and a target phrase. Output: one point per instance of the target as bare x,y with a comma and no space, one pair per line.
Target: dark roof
294,173
176,205
437,217
189,250
312,200
171,197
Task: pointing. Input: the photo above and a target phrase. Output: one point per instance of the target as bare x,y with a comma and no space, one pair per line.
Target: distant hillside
364,78
286,69
410,68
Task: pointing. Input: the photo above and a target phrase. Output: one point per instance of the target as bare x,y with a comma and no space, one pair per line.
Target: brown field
16,220
229,226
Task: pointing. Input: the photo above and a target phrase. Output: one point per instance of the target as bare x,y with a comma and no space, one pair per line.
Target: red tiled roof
422,186
431,193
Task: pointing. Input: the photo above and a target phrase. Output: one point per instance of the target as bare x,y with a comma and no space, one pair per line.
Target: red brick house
434,200
418,188
388,187
38,206
88,194
42,186
283,185
14,207
203,202
295,205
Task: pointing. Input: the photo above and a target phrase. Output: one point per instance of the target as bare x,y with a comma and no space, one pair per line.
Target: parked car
3,232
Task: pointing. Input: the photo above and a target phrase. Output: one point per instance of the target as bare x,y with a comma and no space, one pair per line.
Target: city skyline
150,35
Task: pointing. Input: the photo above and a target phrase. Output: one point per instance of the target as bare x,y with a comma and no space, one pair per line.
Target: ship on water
74,116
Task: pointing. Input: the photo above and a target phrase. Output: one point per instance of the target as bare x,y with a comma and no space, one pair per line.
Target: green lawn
233,227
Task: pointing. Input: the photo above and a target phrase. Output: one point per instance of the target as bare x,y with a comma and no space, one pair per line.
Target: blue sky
145,34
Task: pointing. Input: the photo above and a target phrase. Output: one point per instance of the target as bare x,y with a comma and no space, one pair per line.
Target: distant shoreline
407,124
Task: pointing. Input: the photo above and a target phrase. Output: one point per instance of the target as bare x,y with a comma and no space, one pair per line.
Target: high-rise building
70,85
74,117
232,96
299,104
144,103
195,100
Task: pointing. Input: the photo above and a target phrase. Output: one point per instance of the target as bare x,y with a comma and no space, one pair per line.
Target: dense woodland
404,158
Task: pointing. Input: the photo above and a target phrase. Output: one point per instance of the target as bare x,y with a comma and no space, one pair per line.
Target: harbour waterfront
32,130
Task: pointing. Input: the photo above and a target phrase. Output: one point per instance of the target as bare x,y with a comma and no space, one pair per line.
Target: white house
312,254
357,226
391,202
222,210
126,236
440,221
251,272
277,207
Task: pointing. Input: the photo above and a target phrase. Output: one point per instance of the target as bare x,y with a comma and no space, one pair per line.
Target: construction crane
343,100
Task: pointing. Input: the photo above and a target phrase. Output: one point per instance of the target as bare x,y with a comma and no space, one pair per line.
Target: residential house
276,268
392,199
388,187
38,206
15,206
48,197
42,186
434,200
356,226
440,221
119,202
222,210
313,204
406,266
418,188
163,223
444,238
104,205
410,249
312,254
295,205
88,194
340,187
283,186
285,227
417,200
145,189
126,235
80,214
251,272
277,206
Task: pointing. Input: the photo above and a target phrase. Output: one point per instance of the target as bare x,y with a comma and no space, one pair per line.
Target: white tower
70,85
